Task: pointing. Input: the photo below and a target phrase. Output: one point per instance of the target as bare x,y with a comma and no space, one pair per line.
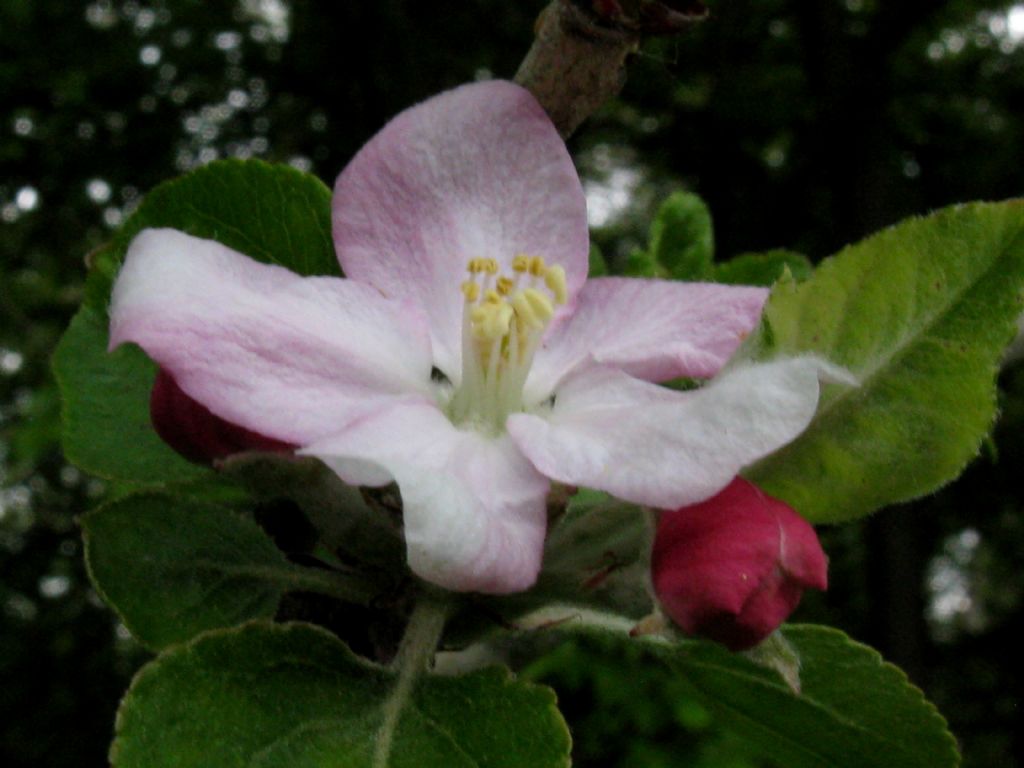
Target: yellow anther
492,297
473,266
491,320
554,279
541,305
537,266
478,313
521,263
501,320
470,290
490,266
525,312
504,285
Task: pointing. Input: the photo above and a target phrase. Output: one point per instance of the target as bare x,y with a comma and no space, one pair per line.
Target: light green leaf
920,313
173,568
267,696
272,213
763,268
854,710
681,243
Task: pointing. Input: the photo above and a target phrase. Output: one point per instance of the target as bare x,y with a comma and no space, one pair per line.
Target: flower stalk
414,657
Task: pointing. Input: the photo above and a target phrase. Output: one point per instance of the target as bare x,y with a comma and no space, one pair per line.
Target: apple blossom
733,567
465,357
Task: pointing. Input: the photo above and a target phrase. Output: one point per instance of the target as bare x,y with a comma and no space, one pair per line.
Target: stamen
554,279
541,305
503,323
525,312
470,290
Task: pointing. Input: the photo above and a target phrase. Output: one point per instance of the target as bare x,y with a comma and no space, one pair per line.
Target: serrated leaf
173,568
274,214
681,243
920,313
763,268
266,696
854,709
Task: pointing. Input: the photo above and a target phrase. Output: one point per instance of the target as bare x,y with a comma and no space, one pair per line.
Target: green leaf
266,696
920,314
854,710
681,243
174,568
763,268
272,213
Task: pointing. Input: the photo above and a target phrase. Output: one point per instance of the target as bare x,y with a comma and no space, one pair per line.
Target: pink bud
734,567
198,435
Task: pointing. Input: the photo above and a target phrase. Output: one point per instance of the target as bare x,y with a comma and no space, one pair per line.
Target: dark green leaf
174,568
269,696
920,314
853,710
273,213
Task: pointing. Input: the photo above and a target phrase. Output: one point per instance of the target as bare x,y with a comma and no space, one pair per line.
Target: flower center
503,321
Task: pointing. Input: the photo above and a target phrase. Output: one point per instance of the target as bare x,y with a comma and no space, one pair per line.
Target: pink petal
289,358
474,509
478,171
655,330
654,446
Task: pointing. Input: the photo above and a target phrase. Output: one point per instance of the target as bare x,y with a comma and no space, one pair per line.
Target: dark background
803,125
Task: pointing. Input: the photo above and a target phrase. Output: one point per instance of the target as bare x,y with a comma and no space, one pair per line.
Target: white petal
474,508
650,445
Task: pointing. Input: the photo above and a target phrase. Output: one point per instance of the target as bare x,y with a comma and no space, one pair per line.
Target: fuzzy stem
415,654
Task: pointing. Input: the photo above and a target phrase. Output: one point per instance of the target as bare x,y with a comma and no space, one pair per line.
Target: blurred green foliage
801,125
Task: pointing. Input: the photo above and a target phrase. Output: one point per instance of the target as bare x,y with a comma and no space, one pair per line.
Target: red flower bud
734,567
198,435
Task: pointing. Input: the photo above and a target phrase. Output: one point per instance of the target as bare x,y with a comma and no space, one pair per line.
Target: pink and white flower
466,357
